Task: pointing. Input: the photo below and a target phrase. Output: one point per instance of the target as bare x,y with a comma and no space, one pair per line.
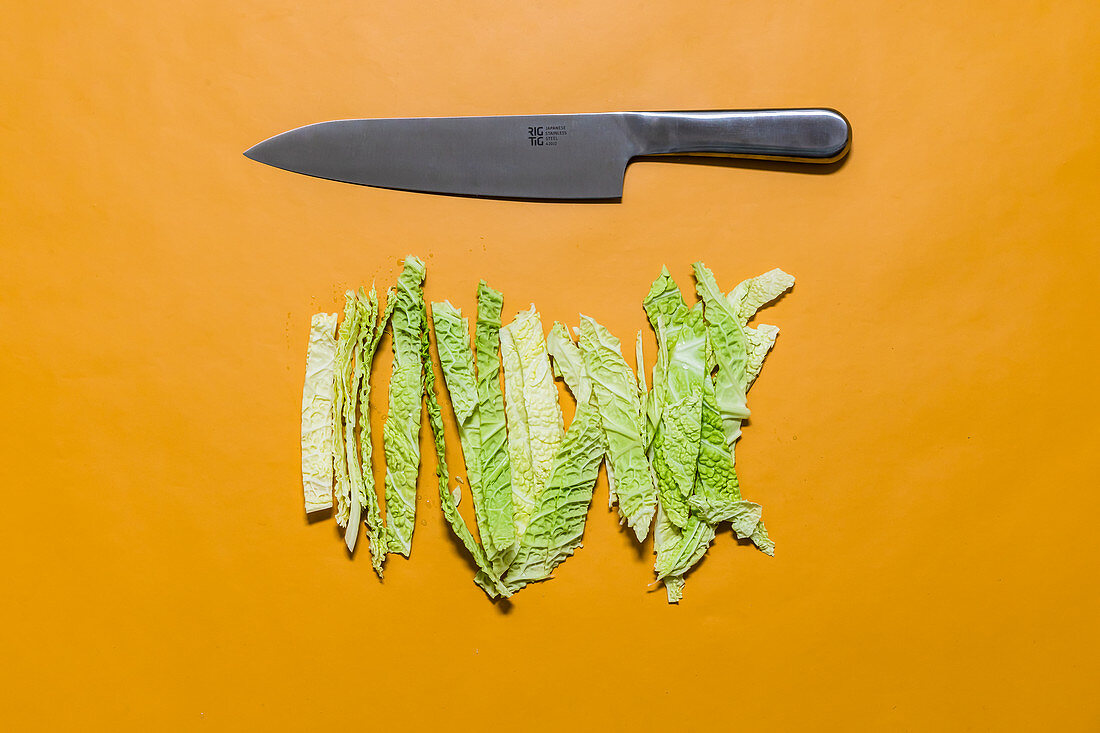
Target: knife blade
559,156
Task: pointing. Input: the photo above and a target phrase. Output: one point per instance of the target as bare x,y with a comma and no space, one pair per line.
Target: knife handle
803,135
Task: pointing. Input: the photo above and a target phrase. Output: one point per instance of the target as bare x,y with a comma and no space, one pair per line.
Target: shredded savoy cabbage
667,443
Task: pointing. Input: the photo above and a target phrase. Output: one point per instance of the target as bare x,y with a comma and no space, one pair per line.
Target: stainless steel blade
571,156
580,156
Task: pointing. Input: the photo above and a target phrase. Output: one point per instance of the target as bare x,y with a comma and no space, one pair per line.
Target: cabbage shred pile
667,443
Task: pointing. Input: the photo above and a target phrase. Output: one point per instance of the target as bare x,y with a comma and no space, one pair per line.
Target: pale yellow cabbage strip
317,413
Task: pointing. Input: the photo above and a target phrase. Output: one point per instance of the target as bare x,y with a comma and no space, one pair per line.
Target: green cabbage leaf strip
557,524
365,500
452,335
735,355
622,415
677,394
535,425
401,432
495,522
344,410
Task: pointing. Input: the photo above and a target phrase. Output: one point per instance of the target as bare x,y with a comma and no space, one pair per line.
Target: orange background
923,436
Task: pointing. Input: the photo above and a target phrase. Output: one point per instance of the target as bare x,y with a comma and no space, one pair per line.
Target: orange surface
923,436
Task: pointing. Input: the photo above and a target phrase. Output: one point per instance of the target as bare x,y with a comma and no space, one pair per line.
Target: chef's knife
577,156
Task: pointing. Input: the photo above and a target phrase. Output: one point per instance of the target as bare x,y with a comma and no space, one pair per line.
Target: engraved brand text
545,135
